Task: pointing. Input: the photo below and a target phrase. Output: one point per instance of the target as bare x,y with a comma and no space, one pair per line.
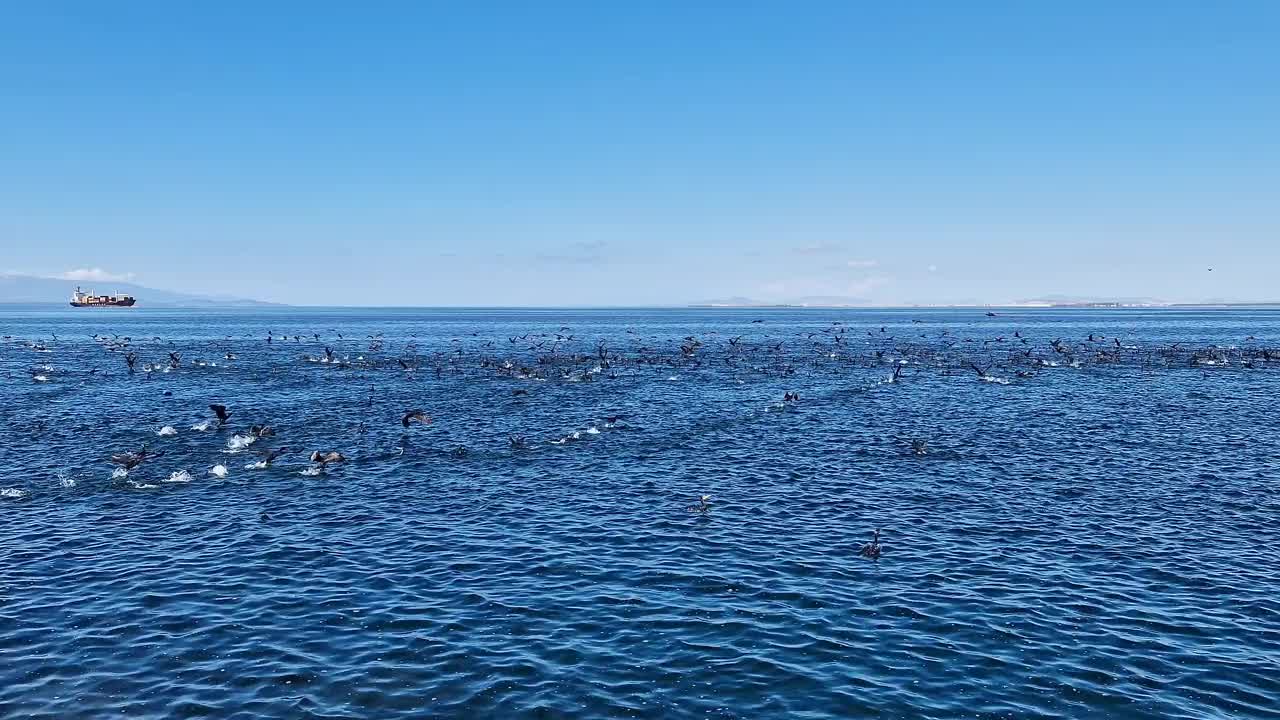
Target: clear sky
601,153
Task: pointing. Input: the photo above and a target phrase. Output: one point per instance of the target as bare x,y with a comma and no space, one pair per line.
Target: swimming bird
919,446
269,456
324,458
872,549
703,506
131,460
791,397
518,442
459,452
221,412
411,416
261,431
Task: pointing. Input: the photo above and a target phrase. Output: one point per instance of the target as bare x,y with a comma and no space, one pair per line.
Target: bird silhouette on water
324,458
702,507
131,460
221,412
872,549
269,456
412,416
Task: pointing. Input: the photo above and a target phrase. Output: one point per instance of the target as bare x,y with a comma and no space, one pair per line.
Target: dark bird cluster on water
566,356
529,370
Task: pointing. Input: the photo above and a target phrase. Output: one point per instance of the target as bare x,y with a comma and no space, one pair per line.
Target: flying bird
221,412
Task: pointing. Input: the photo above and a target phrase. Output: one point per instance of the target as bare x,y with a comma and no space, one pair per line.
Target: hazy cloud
96,275
862,263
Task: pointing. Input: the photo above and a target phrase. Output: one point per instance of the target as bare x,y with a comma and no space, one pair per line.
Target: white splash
65,480
15,493
119,474
593,430
40,378
311,471
167,431
260,465
218,470
181,476
203,426
240,442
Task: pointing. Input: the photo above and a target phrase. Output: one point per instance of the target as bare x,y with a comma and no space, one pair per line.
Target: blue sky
645,153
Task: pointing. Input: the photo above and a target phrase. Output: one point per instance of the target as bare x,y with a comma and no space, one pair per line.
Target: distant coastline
19,289
1009,306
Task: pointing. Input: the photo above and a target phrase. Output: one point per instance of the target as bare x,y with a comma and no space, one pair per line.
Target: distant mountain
736,301
806,301
32,289
831,301
1082,300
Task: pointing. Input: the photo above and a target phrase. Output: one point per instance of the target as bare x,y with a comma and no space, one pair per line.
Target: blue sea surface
1083,533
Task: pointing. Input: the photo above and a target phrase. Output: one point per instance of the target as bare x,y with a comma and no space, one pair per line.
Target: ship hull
113,303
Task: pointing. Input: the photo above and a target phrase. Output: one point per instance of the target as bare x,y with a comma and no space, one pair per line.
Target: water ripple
1092,543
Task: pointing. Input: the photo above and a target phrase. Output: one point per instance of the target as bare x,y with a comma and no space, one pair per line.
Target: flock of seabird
564,356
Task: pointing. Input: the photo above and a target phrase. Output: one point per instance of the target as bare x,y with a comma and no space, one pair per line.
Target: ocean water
1091,531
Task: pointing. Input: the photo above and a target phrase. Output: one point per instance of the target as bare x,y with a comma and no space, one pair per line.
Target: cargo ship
88,299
